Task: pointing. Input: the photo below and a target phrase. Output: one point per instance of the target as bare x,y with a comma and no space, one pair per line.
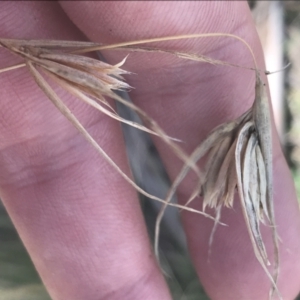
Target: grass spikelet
240,156
239,151
91,81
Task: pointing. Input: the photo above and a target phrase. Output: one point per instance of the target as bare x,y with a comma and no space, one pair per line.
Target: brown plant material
239,152
91,81
240,157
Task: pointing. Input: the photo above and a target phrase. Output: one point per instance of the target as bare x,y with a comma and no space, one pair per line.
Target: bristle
240,151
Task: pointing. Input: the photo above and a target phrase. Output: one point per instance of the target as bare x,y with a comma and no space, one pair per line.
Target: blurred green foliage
18,277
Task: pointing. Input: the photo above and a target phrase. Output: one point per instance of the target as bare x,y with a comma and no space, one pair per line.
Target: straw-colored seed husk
239,151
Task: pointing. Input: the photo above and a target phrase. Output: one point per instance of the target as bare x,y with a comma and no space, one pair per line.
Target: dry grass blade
13,67
250,200
240,150
226,181
80,72
89,80
76,92
38,51
79,76
198,153
211,238
253,178
68,114
242,139
183,55
217,134
213,168
262,119
240,155
262,181
50,44
99,47
86,63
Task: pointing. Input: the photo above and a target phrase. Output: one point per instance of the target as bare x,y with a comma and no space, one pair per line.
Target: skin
80,221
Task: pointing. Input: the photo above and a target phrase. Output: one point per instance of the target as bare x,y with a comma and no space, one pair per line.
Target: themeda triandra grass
239,152
240,156
91,81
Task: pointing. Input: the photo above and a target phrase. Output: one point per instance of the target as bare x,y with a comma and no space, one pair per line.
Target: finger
79,220
190,99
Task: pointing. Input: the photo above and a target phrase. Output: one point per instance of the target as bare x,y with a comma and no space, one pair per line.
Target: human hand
80,221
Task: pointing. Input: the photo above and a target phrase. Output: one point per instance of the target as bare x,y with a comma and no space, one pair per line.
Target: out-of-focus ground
18,278
292,83
279,28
